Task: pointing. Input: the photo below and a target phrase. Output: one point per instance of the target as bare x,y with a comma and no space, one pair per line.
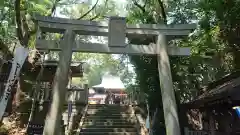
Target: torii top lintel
84,27
116,30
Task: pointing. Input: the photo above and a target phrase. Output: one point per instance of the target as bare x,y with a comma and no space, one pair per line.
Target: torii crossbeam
117,31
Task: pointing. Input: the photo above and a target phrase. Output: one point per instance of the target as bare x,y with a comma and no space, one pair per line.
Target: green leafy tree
97,66
210,57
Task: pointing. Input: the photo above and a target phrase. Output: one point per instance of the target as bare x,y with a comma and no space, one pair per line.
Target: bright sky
121,7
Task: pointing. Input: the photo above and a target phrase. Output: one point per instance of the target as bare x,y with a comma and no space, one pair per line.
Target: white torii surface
110,82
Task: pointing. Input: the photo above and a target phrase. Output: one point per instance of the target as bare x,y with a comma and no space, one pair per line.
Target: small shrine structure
111,84
214,111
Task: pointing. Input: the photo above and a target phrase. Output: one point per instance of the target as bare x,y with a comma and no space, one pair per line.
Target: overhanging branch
95,17
26,30
163,13
98,14
88,11
54,7
23,33
145,3
18,21
139,6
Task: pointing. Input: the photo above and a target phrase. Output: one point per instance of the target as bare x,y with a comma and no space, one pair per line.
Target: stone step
108,129
110,120
108,123
118,108
112,110
110,115
109,108
112,126
108,111
108,105
108,133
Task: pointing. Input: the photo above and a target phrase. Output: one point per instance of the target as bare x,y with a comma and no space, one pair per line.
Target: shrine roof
223,88
111,82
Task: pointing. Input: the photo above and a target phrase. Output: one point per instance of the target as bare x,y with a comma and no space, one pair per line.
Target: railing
142,130
84,113
74,98
136,97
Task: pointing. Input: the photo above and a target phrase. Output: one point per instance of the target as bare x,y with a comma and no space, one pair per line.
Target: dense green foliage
215,47
210,57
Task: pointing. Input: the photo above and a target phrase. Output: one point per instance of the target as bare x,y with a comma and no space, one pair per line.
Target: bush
3,130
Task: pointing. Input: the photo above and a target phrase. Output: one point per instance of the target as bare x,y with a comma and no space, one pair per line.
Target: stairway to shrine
109,120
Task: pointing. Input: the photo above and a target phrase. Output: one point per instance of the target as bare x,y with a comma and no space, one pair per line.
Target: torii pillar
168,96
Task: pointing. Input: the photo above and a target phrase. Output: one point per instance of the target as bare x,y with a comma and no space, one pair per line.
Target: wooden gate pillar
59,85
166,84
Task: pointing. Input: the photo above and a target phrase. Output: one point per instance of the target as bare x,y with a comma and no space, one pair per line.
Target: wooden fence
75,95
136,97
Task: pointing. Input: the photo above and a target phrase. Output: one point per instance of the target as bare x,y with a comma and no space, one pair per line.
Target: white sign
117,32
20,56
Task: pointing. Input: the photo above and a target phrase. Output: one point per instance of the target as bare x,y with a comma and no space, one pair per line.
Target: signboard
237,108
117,32
35,129
18,61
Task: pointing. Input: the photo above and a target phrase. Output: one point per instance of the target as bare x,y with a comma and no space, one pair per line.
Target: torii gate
117,31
